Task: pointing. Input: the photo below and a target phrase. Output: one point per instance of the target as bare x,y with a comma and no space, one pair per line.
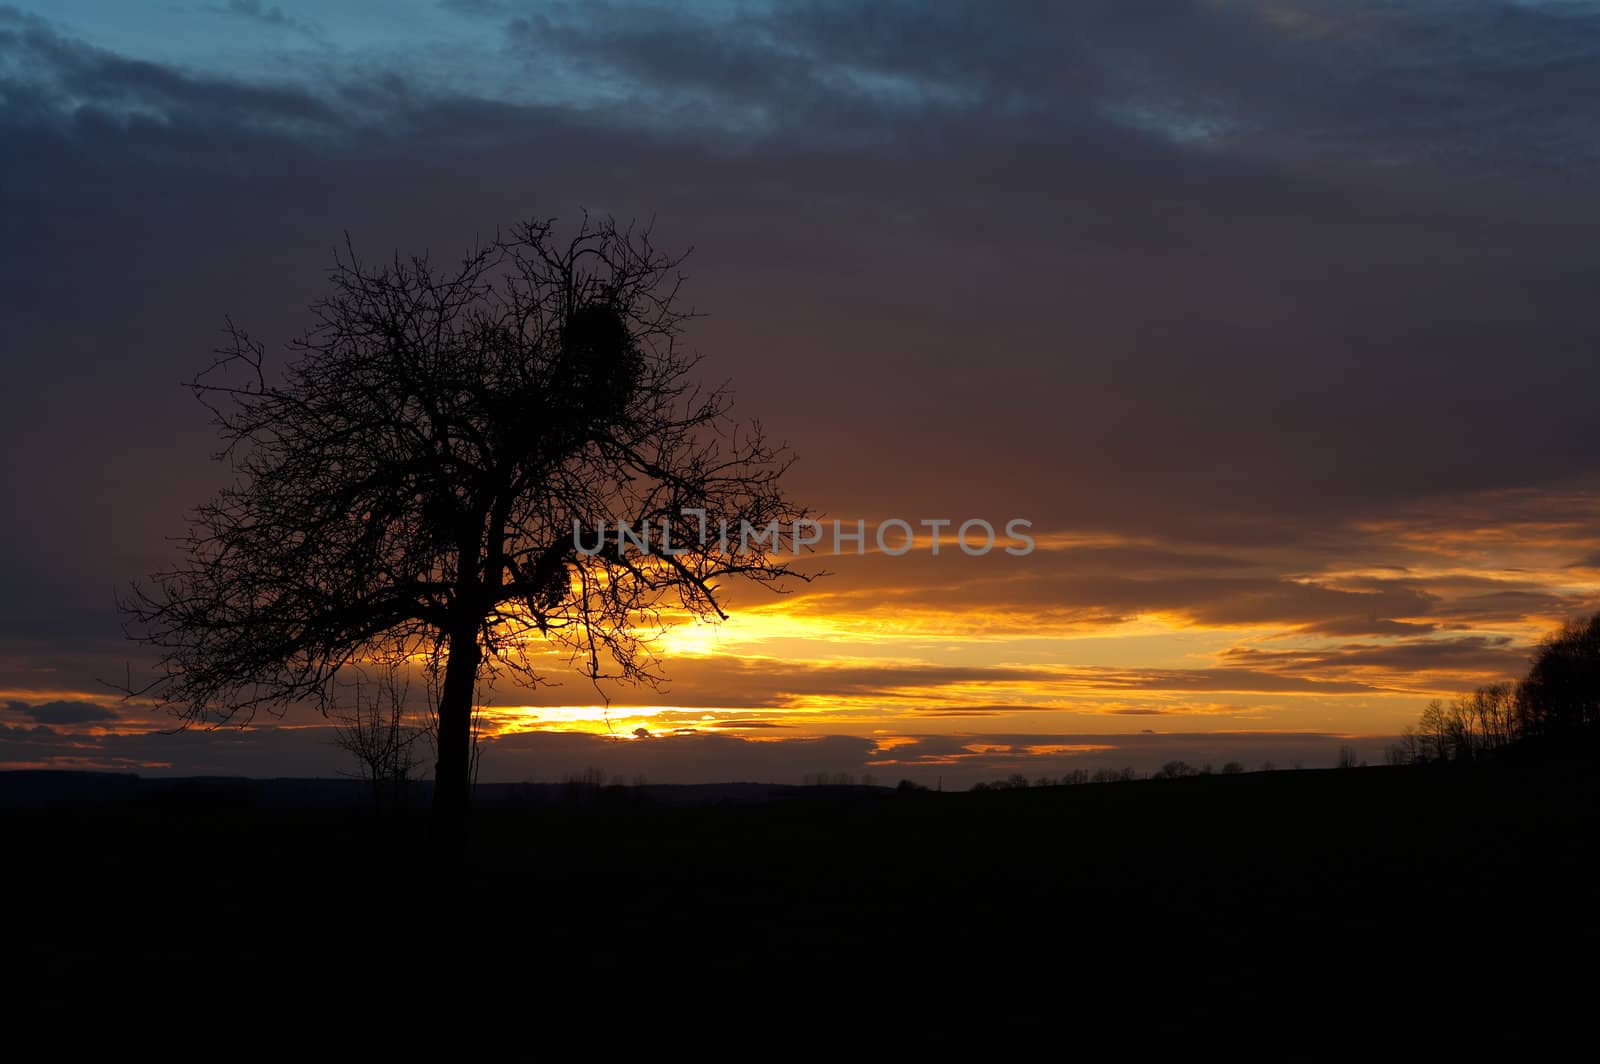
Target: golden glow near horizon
1092,635
1140,634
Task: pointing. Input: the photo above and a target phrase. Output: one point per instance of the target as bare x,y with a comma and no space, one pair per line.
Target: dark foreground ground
1337,894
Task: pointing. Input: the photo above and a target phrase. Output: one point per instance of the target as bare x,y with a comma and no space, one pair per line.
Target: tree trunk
452,776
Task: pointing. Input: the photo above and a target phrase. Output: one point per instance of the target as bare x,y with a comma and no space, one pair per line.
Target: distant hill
46,786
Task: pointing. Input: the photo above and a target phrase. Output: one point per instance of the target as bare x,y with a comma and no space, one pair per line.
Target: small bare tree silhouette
378,731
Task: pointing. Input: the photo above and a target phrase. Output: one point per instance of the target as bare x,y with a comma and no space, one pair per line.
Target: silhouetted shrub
1560,696
1175,770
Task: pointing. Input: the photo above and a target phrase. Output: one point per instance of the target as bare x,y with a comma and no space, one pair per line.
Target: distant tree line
1556,706
1077,777
838,779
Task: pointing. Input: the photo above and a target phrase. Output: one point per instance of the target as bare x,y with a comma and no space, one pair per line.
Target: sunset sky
1278,321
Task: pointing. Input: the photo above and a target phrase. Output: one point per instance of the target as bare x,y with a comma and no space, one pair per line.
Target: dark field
1320,891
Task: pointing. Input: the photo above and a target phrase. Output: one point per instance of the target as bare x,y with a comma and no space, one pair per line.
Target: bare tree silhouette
417,475
378,729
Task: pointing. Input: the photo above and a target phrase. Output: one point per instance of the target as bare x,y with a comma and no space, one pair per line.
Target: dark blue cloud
62,712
